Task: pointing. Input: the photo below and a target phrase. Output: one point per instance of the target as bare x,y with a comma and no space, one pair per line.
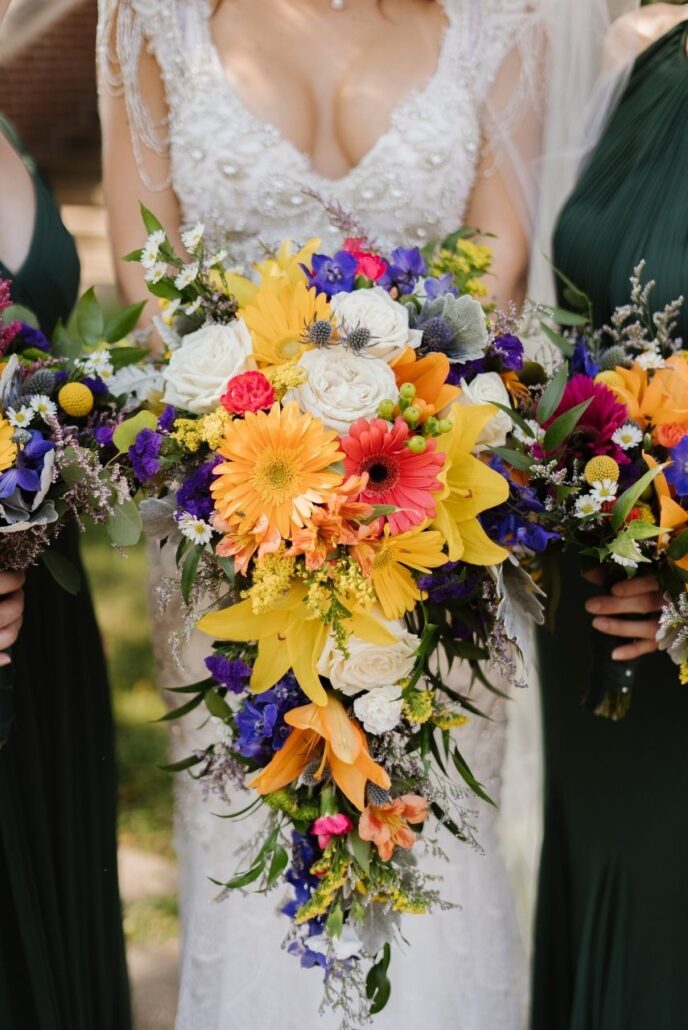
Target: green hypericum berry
412,414
432,426
407,392
417,444
446,425
385,409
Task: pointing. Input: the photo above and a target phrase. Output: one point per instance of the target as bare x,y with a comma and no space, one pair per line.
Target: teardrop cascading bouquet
59,409
310,456
602,448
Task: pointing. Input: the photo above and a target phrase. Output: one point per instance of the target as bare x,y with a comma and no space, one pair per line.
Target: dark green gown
612,921
62,963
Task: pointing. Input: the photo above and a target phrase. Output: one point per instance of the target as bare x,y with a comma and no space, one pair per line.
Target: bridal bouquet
310,453
603,446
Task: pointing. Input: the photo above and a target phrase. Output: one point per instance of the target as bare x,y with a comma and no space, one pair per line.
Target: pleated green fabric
62,964
612,920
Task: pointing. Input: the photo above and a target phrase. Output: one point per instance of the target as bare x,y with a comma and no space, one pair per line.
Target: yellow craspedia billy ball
600,468
75,399
611,379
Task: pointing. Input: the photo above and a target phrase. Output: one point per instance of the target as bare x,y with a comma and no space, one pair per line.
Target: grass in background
118,585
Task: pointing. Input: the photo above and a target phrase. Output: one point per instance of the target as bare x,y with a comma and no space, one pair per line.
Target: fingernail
617,655
4,660
600,624
593,605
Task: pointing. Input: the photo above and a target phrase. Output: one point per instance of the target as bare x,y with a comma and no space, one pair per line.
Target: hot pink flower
604,415
329,826
250,391
396,476
372,266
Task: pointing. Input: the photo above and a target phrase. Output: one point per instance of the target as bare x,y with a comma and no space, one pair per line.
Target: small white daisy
186,276
191,309
156,272
43,406
98,364
20,418
216,259
195,529
604,490
587,505
537,431
193,236
628,436
151,248
650,359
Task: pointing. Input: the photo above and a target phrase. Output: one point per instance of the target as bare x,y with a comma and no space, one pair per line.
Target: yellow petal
468,423
368,628
240,623
449,528
485,487
304,646
271,664
478,548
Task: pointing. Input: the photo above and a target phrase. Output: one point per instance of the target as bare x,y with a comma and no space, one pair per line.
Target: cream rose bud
380,709
369,665
199,369
386,320
485,389
343,386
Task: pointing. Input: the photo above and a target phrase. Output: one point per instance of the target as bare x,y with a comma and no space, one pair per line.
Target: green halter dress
612,921
62,961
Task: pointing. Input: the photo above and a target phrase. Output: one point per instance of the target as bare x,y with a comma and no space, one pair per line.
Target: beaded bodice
243,179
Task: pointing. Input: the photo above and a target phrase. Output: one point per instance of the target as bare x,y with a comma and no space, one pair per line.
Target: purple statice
103,435
467,370
452,582
261,729
435,288
582,361
143,454
230,673
677,472
31,337
194,494
406,266
332,275
96,385
26,473
167,419
506,351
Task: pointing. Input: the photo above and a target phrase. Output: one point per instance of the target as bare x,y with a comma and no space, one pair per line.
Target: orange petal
288,763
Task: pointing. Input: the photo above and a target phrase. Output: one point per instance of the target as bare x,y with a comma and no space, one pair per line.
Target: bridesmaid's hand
11,611
638,596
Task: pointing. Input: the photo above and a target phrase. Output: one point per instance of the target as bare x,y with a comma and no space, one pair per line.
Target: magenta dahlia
604,415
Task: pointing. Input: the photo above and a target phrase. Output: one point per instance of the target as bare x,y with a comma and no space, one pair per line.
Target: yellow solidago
212,427
319,599
351,584
448,718
466,264
683,671
187,433
272,577
285,801
285,377
418,706
323,895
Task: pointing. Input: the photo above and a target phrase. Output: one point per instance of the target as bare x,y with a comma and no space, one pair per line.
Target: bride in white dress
415,116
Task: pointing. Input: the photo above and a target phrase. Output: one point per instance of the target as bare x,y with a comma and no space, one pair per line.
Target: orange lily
428,375
324,733
387,825
654,401
672,515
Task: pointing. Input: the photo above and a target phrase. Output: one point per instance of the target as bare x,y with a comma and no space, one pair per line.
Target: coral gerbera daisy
396,476
277,319
387,561
8,449
276,465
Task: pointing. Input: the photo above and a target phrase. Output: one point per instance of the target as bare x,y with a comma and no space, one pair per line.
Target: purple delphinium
677,472
452,582
304,854
260,720
26,473
30,337
103,435
332,275
511,523
507,352
440,287
582,361
167,418
230,673
194,494
407,264
143,454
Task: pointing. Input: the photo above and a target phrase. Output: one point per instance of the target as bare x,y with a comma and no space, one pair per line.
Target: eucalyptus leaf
361,850
516,418
124,524
126,433
178,713
63,571
18,313
335,922
566,318
244,879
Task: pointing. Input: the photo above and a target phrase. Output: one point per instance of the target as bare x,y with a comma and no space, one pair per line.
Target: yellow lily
289,636
285,266
324,733
470,487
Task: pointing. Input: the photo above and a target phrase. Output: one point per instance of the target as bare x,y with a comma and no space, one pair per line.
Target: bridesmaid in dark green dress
612,922
62,964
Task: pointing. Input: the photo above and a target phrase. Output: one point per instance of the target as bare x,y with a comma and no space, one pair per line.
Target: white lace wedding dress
464,969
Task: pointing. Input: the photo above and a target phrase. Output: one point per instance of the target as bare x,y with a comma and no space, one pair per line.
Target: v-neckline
28,163
302,156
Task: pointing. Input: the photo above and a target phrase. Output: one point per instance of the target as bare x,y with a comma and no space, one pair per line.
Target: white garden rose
343,386
386,320
380,709
369,665
485,389
197,374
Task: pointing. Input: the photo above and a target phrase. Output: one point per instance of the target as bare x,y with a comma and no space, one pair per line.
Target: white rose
386,320
380,709
343,386
197,374
485,389
369,665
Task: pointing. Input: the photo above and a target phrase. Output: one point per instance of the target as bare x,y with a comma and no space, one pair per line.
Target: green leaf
71,470
165,289
122,356
126,433
243,879
124,524
335,922
361,850
563,426
517,459
516,418
626,501
134,255
122,322
566,318
64,344
559,341
641,530
189,570
378,986
280,861
64,572
89,318
178,713
227,566
149,220
573,293
466,774
17,312
551,398
678,548
217,705
185,763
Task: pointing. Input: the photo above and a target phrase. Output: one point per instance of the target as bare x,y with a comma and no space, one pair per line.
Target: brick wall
47,78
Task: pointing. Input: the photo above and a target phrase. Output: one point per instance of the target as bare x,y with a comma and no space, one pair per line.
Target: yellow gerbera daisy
8,449
471,487
277,466
387,562
277,320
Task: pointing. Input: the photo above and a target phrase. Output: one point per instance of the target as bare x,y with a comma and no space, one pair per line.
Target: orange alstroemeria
324,734
387,825
241,547
339,521
429,376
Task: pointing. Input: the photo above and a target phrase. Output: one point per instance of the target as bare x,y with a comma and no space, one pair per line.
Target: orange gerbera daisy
387,825
277,464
